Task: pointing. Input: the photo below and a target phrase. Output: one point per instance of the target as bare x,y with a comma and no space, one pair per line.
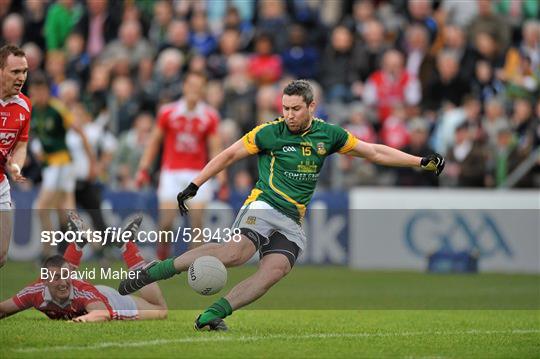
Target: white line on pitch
266,337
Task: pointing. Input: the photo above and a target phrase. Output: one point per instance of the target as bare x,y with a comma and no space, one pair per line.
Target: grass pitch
315,312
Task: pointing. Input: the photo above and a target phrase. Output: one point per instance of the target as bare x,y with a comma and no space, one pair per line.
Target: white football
207,275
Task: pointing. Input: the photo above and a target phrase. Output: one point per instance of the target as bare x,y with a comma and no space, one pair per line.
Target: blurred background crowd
460,77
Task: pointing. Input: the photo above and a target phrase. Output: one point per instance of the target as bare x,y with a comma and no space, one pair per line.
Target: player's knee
276,273
234,257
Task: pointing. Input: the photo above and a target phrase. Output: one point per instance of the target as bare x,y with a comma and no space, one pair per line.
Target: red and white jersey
37,295
14,124
185,134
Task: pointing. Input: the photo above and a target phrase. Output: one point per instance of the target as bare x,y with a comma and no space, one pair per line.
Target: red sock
163,251
73,255
132,255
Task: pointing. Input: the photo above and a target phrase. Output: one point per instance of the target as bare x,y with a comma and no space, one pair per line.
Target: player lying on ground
81,301
291,153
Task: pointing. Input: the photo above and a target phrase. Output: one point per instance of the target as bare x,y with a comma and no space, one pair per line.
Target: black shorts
276,243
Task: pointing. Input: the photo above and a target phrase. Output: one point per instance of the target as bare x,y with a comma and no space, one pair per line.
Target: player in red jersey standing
188,129
15,110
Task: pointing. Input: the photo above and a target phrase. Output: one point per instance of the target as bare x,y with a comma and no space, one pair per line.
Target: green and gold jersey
289,164
50,125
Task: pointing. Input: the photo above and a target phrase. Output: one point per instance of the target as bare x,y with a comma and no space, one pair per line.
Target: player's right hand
15,171
189,192
142,178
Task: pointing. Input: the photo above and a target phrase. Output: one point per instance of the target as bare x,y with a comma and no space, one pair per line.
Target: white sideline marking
213,339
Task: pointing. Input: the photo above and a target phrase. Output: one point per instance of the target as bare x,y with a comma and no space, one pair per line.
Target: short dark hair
7,50
56,260
300,88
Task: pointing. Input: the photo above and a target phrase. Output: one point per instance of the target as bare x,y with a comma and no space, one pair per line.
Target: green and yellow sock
163,270
219,309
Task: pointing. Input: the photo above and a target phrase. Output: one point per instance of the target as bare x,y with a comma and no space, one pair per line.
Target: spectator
34,21
454,39
273,20
516,13
12,30
416,49
421,12
337,66
163,15
394,132
485,85
130,45
391,85
59,22
488,49
524,125
264,65
167,82
233,20
239,93
299,59
265,110
229,44
130,149
459,13
96,92
417,146
122,104
99,25
78,61
55,65
494,120
367,54
467,159
363,11
488,22
447,88
200,38
178,37
522,65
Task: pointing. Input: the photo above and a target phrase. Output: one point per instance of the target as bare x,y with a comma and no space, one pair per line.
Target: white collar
47,297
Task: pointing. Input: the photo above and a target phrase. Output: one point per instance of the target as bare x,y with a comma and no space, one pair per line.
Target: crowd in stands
458,77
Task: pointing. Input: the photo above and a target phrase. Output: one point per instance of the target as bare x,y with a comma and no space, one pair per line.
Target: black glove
189,192
433,162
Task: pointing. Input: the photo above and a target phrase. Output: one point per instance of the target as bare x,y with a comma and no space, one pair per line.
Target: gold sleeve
349,144
249,141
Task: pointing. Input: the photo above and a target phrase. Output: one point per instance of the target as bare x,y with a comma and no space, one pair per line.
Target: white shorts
5,196
124,307
59,178
265,220
173,181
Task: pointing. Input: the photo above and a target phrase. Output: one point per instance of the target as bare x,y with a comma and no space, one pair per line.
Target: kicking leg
272,269
231,254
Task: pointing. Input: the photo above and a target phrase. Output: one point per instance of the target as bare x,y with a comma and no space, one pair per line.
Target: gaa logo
192,273
289,149
430,231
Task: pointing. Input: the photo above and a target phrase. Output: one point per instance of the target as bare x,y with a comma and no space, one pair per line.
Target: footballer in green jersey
291,152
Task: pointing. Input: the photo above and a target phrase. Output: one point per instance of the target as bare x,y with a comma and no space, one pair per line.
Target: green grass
314,312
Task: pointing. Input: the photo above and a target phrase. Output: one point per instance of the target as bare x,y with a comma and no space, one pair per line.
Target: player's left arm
97,312
388,156
15,162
